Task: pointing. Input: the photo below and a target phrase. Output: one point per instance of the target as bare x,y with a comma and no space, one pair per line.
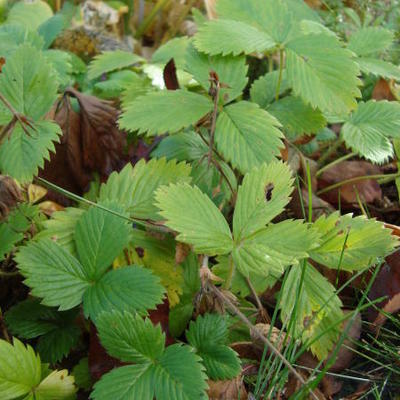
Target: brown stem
213,121
261,310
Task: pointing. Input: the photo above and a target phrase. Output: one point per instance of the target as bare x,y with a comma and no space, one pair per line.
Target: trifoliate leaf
351,243
20,370
100,237
22,155
314,306
58,334
131,288
379,68
30,87
370,41
133,188
196,218
263,195
126,383
179,374
263,90
57,386
52,274
165,111
231,71
61,228
208,335
31,14
247,136
296,116
369,128
130,338
110,61
234,37
332,87
174,48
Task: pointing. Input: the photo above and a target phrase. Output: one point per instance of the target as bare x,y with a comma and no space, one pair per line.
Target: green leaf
367,239
379,68
370,127
20,369
370,41
247,136
330,86
58,334
315,305
100,237
174,48
62,65
117,83
297,117
61,228
109,61
179,375
126,383
263,90
134,187
130,338
57,386
52,274
31,14
234,37
230,70
28,82
130,288
262,196
166,111
21,156
208,335
196,218
82,375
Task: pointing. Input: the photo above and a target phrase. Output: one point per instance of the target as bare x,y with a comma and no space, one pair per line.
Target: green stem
331,149
384,179
337,161
228,281
150,18
278,86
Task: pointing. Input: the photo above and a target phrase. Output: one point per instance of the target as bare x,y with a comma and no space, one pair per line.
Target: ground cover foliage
199,199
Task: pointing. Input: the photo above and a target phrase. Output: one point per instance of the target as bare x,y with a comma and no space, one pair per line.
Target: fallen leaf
49,207
181,252
36,193
386,284
368,190
227,390
10,195
383,91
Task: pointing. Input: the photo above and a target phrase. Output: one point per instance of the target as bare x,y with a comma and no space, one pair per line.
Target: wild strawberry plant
213,190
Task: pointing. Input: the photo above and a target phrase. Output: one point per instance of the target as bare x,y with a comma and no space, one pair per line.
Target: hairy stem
213,122
278,86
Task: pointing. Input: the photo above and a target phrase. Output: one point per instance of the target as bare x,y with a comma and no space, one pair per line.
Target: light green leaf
166,111
28,82
130,288
179,375
370,41
116,83
296,116
21,156
247,136
330,86
317,307
379,68
110,61
29,14
61,228
131,382
130,338
174,48
234,37
52,274
263,90
100,237
196,218
208,335
57,386
369,128
134,187
367,239
137,87
20,369
230,70
62,65
262,196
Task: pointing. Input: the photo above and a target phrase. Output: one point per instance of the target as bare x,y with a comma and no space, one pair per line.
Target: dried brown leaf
227,390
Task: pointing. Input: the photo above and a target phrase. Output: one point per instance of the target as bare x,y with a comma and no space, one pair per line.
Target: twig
256,333
214,91
262,311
